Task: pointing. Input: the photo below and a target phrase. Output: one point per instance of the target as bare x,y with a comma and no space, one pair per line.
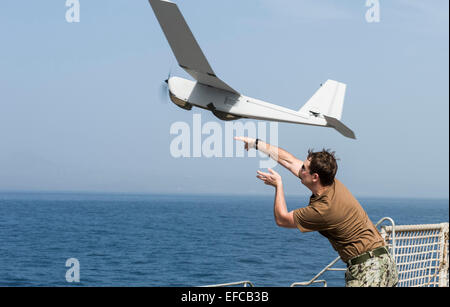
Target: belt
367,255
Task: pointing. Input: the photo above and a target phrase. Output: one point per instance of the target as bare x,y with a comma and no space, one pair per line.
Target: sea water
171,240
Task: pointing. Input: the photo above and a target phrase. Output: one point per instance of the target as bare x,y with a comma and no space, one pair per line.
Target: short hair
324,164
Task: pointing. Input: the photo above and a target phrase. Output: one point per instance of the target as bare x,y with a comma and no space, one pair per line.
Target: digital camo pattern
379,271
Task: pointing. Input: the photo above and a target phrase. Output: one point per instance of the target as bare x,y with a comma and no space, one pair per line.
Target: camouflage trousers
379,271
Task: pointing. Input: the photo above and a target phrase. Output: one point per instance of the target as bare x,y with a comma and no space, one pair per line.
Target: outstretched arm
278,154
283,218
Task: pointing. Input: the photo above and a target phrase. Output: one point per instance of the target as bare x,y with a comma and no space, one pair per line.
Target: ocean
171,240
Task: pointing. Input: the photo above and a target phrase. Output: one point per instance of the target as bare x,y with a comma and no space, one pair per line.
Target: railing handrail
309,283
393,232
245,283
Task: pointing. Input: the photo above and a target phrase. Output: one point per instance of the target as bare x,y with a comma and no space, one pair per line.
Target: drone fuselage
230,106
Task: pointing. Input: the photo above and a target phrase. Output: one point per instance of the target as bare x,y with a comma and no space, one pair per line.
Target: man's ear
315,177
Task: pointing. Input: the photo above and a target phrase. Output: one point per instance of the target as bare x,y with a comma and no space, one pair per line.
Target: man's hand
249,142
273,179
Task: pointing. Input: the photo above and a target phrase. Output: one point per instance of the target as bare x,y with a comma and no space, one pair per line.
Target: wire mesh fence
421,254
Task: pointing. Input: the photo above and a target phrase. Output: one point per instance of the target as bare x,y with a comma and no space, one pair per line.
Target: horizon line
194,194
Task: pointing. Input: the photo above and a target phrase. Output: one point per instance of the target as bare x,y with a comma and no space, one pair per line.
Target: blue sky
80,106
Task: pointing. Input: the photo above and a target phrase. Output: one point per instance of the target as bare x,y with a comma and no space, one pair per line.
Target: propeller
164,91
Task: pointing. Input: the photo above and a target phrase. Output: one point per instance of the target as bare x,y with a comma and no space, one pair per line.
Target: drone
210,93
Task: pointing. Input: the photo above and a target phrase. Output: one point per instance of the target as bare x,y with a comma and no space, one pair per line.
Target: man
334,212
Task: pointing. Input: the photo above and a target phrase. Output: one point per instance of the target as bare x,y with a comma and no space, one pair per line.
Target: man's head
319,168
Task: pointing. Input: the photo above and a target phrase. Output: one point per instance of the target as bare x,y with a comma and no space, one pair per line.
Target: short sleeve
309,219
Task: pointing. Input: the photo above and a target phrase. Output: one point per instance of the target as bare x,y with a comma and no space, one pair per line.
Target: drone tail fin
328,100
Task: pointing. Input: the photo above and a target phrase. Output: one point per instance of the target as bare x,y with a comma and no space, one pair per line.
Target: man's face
305,176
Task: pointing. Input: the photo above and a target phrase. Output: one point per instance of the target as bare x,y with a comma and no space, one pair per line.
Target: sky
81,106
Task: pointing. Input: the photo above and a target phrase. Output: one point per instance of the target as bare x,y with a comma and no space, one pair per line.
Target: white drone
211,93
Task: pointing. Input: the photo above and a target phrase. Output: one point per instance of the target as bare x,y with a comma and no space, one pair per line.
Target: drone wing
186,49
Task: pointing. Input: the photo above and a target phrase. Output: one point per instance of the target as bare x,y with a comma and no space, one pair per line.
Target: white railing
421,254
244,283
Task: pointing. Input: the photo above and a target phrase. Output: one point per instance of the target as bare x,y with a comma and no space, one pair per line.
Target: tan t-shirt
338,216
